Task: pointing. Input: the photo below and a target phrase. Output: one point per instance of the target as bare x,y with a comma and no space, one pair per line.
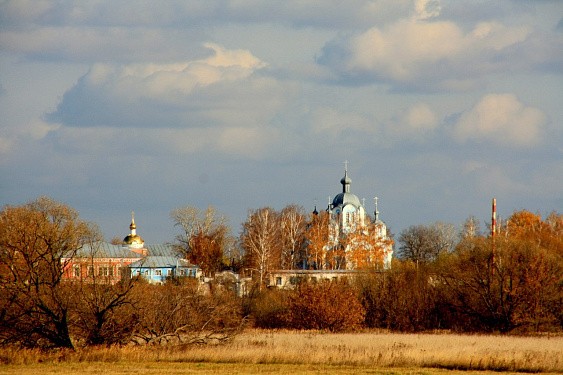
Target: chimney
494,218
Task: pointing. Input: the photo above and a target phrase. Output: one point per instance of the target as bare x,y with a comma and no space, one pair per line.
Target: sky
147,106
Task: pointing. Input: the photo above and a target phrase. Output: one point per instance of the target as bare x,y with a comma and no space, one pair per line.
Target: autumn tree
402,298
331,306
269,309
542,243
204,238
260,239
510,281
35,238
366,247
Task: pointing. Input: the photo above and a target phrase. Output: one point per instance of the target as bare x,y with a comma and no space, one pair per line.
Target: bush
270,308
331,306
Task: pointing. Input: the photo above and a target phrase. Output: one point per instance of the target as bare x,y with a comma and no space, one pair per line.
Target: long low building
156,269
288,279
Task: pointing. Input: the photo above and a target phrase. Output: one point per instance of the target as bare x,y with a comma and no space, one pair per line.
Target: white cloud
501,119
222,104
155,80
211,12
329,122
159,108
420,117
433,55
416,123
425,9
224,89
12,137
6,145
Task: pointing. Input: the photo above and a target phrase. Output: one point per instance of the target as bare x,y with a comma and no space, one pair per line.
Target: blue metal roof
160,262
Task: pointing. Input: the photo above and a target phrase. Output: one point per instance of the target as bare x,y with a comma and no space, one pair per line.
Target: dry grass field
286,352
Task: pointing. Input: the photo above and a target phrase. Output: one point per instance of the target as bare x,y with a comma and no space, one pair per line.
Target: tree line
441,279
272,239
40,308
465,281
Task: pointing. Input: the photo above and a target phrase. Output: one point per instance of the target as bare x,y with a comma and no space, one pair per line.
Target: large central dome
343,199
346,197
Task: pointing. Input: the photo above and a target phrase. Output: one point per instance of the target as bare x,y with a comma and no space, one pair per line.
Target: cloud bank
437,105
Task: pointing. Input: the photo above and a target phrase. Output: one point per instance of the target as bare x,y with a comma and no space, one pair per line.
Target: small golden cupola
133,239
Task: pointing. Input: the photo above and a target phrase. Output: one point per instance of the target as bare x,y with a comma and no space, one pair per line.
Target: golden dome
133,239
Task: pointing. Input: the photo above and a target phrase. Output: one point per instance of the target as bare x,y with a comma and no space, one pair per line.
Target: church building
361,241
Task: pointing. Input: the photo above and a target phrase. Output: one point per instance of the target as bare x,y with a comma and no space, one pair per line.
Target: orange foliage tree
402,298
366,247
331,306
37,241
204,239
521,288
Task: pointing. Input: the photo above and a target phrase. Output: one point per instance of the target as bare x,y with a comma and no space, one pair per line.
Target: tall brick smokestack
494,218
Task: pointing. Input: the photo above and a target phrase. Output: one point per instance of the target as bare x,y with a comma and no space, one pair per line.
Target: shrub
331,306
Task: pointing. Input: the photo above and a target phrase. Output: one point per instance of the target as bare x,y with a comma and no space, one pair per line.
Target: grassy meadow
287,352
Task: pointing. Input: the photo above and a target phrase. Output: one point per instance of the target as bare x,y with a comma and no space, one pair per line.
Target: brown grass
315,350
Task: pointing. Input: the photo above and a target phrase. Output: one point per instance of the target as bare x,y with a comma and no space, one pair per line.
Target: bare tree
471,228
293,226
421,243
103,305
317,238
35,240
260,239
179,313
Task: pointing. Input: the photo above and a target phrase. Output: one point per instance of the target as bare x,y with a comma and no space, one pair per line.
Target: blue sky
438,106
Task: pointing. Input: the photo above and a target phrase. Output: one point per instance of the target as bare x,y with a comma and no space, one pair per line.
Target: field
285,352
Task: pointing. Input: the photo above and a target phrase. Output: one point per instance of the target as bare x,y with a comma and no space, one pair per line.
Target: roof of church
343,199
346,197
131,239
